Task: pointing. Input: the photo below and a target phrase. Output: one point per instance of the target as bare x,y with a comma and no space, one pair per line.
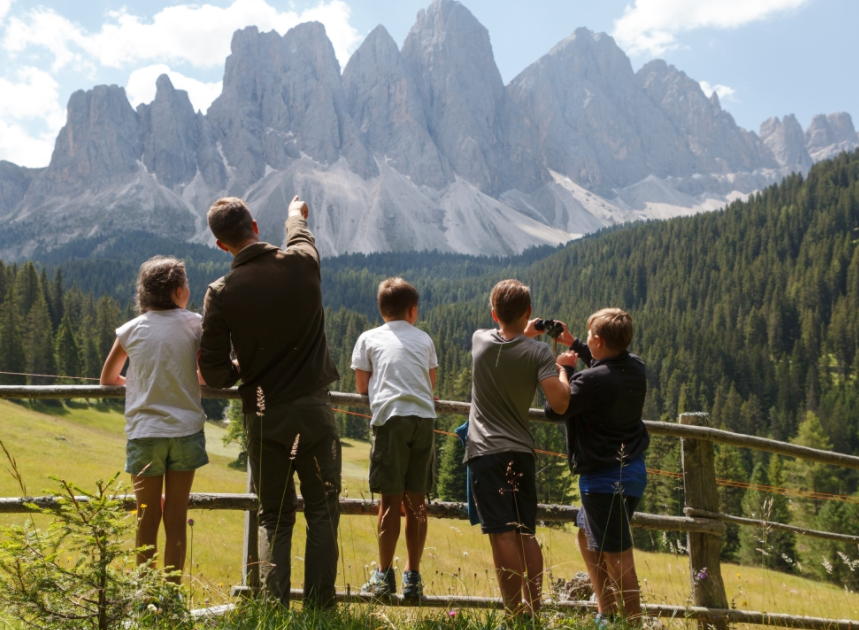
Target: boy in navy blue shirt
606,440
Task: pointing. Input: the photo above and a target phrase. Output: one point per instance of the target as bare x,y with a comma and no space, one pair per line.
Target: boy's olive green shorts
402,455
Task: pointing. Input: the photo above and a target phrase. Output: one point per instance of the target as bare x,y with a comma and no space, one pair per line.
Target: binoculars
550,327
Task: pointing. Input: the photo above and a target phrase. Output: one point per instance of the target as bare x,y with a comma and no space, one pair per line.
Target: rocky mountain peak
385,104
168,131
713,137
99,144
785,140
283,96
469,114
592,119
829,135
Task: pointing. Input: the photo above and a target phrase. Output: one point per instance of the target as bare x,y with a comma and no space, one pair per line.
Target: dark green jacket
268,309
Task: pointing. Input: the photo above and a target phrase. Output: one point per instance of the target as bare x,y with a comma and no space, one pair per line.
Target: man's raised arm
298,235
217,368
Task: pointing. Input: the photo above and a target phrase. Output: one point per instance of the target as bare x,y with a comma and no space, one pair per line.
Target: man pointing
268,310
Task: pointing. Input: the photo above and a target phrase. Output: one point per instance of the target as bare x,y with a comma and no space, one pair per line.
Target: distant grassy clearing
83,443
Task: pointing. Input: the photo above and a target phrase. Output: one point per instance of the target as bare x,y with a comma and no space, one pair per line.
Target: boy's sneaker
413,586
381,584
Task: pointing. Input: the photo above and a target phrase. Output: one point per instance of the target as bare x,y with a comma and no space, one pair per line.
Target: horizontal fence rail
761,524
196,501
706,434
690,613
436,509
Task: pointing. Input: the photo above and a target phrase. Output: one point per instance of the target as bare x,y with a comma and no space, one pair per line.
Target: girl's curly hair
159,277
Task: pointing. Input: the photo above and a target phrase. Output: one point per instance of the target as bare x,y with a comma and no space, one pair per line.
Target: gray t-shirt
162,393
505,377
400,357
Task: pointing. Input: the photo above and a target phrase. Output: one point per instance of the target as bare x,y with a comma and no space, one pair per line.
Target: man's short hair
396,297
230,221
613,326
510,300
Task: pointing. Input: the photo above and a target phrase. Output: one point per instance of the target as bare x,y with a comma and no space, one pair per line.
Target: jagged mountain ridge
414,149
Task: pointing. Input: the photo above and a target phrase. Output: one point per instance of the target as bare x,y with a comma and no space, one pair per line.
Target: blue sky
764,57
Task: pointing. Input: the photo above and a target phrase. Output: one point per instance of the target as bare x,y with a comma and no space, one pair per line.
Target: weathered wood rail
703,523
690,613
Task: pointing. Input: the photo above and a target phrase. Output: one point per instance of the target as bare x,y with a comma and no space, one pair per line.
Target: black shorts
504,487
605,519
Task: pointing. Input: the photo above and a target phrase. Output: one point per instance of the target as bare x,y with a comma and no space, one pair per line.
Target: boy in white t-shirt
396,365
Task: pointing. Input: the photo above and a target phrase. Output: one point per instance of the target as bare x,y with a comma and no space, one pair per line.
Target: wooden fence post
250,546
699,484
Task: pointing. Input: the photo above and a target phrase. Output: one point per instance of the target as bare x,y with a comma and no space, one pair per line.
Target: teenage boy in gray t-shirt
508,366
395,364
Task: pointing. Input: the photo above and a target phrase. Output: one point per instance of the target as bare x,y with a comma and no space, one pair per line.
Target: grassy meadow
83,443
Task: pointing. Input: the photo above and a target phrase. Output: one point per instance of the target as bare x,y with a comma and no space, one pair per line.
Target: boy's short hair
396,297
230,221
510,300
158,278
613,326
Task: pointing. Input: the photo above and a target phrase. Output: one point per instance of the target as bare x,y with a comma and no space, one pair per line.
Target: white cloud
650,27
45,29
199,35
141,86
723,91
19,146
30,100
4,8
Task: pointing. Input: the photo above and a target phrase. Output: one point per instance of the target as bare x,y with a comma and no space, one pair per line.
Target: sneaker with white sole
381,583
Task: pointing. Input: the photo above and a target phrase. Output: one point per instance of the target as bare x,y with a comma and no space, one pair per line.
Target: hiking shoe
381,584
413,586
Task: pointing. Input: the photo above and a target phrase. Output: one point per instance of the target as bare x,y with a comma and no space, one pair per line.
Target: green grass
84,443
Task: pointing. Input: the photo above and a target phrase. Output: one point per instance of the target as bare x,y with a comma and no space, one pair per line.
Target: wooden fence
703,522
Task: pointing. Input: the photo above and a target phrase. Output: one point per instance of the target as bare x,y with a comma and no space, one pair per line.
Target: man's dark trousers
299,436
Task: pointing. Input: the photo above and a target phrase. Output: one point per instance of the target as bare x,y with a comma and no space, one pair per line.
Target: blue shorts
150,457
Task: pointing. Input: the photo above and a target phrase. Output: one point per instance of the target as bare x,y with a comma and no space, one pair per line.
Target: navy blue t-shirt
630,480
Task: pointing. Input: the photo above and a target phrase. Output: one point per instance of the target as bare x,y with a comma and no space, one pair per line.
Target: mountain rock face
828,136
14,182
282,97
99,146
471,117
786,141
592,121
384,102
419,148
169,132
709,132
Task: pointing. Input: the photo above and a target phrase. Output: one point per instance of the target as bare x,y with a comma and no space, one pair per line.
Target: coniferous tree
92,362
12,356
811,477
47,292
729,465
67,350
4,281
58,309
40,343
27,288
452,474
106,323
754,545
828,559
783,544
